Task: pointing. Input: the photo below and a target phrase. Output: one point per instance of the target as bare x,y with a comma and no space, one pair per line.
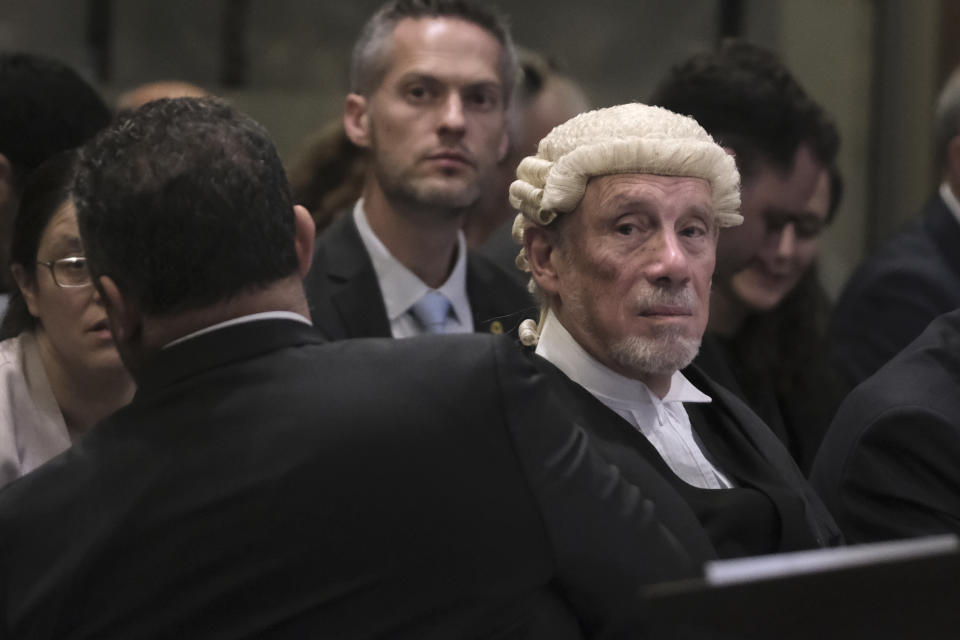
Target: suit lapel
621,444
497,303
769,467
354,290
479,287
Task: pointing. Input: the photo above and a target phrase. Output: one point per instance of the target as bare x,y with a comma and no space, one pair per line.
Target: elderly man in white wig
620,210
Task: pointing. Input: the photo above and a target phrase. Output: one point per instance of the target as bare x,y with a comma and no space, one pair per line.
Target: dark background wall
875,65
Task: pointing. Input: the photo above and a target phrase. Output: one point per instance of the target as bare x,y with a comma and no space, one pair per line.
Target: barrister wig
628,138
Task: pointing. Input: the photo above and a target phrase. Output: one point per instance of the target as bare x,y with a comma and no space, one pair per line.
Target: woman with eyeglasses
770,323
59,370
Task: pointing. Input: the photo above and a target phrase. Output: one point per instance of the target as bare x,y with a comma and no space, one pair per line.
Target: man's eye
809,227
694,231
482,99
417,92
625,229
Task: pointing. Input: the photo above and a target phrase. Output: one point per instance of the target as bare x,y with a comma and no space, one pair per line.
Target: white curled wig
628,138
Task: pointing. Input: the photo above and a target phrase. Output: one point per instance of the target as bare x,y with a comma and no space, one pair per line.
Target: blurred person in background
430,84
59,367
912,279
766,336
45,107
544,97
327,174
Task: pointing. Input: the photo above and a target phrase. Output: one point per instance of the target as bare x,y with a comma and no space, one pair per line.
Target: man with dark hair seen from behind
264,483
430,84
45,107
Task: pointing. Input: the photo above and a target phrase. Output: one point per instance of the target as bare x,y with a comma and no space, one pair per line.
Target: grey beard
664,354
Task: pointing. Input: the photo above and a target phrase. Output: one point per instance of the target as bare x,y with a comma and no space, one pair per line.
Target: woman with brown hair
59,370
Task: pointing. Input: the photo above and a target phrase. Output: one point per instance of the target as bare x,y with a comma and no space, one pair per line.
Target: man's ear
542,256
356,119
306,232
6,179
123,314
504,147
27,285
953,162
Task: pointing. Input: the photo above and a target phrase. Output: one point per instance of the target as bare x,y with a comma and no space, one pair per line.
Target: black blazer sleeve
606,536
899,479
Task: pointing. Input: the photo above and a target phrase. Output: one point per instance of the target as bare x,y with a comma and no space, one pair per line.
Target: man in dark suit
620,213
915,277
266,483
430,83
888,466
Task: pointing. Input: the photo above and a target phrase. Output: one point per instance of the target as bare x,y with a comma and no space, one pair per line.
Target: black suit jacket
346,301
890,464
895,294
739,443
266,484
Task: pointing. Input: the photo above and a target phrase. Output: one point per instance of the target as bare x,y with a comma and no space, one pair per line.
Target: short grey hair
370,56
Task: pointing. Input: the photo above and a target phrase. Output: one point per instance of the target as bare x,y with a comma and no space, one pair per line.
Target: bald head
139,96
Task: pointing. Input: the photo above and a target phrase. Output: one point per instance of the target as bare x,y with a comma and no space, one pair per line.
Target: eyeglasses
69,272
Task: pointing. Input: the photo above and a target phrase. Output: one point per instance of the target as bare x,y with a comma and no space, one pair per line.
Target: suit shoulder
484,273
448,352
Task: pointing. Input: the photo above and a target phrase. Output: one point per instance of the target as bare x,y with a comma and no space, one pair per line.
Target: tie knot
432,311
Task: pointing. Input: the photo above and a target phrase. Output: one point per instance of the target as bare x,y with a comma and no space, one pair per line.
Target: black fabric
895,294
346,301
716,358
799,419
890,464
266,484
773,509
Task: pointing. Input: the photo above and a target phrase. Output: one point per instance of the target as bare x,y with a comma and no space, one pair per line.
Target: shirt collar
950,199
400,287
559,347
252,317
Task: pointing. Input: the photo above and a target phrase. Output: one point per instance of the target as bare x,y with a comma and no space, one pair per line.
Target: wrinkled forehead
648,193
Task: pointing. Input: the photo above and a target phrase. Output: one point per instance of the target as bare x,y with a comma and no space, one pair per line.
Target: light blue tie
432,311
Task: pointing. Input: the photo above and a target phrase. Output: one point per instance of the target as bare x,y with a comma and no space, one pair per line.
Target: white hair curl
628,138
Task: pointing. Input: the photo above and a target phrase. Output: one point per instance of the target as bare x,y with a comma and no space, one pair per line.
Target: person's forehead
645,187
444,46
790,188
61,231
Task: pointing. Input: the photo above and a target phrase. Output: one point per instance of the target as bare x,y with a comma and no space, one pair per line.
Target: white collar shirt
401,288
664,422
250,317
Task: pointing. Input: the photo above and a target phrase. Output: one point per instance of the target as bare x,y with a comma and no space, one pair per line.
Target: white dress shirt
402,289
32,428
250,317
664,422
